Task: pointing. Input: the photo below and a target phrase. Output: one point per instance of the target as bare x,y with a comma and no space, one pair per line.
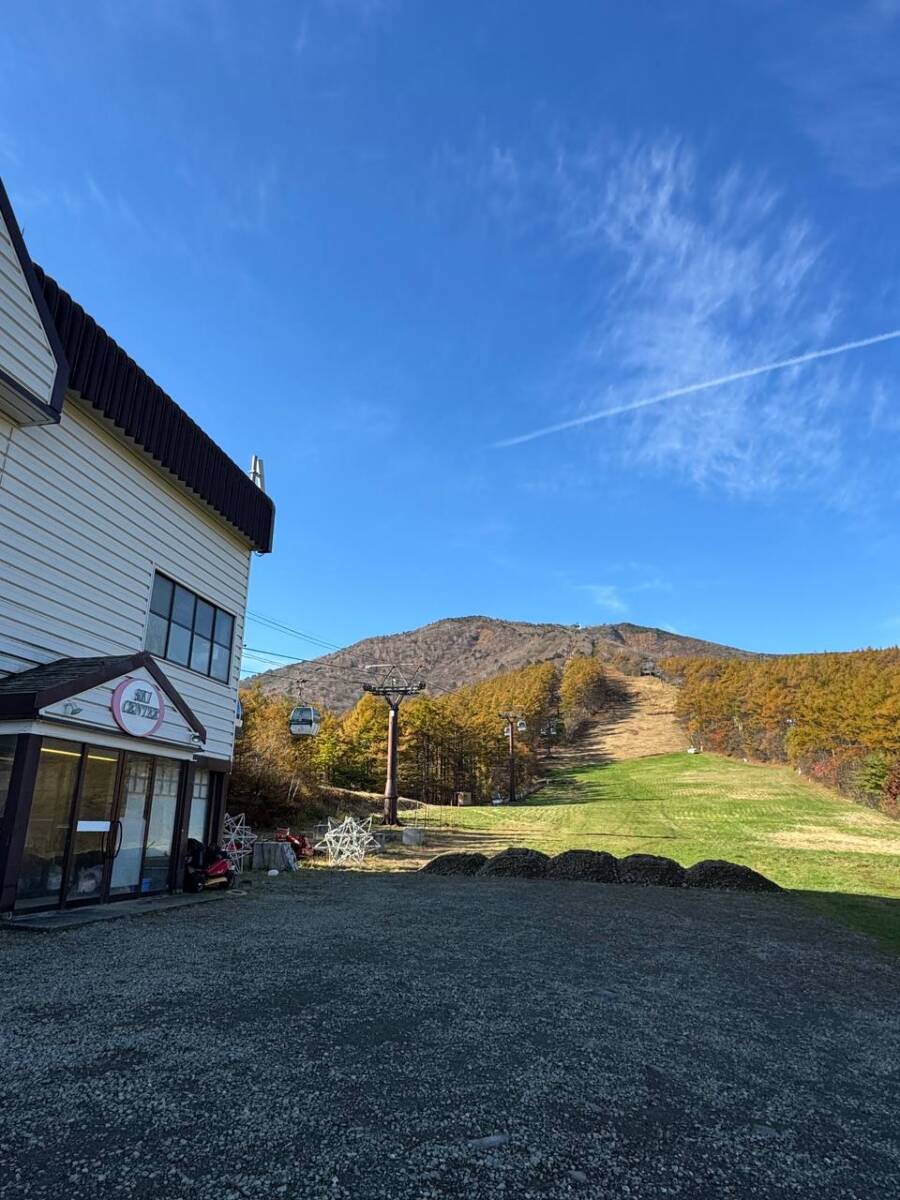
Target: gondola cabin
305,721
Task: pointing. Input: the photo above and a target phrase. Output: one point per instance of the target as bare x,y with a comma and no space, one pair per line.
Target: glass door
161,827
129,827
94,834
41,874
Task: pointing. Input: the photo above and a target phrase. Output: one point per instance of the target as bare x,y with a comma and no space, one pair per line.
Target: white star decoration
347,841
237,840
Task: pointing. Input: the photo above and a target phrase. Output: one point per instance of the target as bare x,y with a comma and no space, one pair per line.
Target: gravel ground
357,1035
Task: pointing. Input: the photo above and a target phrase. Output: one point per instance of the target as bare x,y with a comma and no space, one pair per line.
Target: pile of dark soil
518,863
650,870
456,864
727,877
594,865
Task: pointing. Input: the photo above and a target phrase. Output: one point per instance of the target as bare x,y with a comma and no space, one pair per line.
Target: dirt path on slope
638,722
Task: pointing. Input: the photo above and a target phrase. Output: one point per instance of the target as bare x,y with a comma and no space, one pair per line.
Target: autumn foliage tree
835,716
449,743
582,690
272,770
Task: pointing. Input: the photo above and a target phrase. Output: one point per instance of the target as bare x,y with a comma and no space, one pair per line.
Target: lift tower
396,685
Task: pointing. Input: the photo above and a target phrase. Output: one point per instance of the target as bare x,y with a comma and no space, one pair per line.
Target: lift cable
281,627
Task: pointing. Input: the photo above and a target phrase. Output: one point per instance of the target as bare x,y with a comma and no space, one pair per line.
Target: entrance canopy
99,782
120,695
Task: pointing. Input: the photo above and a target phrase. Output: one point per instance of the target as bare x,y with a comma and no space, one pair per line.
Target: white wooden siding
84,522
6,431
25,352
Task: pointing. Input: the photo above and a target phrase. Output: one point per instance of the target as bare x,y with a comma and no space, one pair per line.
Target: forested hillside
464,650
449,743
835,716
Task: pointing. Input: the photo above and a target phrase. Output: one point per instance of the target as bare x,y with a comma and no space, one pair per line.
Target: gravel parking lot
358,1035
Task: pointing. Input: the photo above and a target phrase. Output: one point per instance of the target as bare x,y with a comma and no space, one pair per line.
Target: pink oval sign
138,707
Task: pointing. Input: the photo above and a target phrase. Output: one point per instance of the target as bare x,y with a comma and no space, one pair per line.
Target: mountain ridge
454,651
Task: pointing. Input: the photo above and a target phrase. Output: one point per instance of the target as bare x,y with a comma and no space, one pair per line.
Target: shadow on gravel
876,916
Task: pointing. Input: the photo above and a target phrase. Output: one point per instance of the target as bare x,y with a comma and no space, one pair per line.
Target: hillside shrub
891,802
582,691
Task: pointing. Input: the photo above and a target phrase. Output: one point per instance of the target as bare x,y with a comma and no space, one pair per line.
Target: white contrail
699,387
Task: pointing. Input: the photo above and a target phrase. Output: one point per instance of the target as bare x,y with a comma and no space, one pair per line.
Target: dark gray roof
24,694
63,672
104,375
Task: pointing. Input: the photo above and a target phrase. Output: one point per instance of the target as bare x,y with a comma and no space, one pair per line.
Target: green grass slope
842,858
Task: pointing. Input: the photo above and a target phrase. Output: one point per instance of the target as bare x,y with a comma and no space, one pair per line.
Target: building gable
33,370
134,704
127,694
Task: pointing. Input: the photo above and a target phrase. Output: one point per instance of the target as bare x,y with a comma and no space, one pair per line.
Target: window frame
195,634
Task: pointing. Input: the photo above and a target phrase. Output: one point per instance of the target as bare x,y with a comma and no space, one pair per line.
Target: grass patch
840,858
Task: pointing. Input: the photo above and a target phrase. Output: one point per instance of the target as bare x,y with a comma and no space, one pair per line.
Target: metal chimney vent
258,472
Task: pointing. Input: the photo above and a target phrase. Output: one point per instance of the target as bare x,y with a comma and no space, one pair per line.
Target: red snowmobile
206,867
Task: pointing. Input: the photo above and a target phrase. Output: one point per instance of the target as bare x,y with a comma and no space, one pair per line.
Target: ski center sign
138,707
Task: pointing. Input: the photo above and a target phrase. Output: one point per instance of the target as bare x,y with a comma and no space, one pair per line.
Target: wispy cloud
8,152
692,388
703,270
848,89
84,196
301,38
361,10
633,582
710,299
607,597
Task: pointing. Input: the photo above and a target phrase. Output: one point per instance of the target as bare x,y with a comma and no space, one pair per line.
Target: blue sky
370,239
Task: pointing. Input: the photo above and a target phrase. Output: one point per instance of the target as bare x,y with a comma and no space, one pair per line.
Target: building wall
25,352
84,522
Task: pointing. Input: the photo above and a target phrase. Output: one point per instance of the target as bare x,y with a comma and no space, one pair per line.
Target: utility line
273,654
281,627
269,658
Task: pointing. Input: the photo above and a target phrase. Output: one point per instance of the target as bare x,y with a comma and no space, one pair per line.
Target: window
198,823
7,754
188,630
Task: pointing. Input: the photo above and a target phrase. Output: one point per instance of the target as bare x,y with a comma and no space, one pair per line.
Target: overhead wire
272,659
315,670
282,627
